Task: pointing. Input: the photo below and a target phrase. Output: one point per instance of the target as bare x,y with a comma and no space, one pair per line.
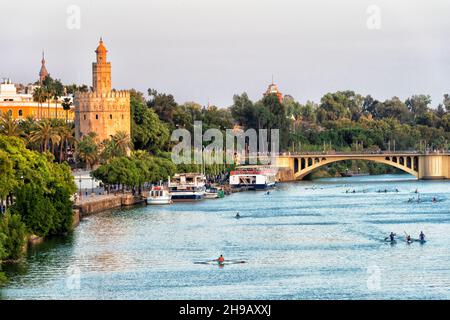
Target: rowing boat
214,262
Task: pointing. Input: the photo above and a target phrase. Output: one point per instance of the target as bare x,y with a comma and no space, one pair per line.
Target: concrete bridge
426,166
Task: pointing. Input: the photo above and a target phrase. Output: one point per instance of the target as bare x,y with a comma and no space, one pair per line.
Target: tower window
122,116
110,116
20,113
96,116
84,117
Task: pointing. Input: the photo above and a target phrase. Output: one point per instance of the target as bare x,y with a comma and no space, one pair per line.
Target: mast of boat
203,170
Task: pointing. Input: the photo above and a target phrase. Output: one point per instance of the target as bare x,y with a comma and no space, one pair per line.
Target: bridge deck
362,154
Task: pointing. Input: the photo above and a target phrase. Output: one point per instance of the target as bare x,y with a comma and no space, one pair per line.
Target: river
305,240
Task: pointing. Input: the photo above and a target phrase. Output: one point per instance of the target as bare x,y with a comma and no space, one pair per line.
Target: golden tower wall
103,111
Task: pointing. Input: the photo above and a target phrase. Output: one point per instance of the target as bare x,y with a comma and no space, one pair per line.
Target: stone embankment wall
98,204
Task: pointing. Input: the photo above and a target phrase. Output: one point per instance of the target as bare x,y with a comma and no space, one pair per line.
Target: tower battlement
100,95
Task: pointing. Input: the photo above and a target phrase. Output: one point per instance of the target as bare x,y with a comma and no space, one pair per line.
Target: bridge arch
307,164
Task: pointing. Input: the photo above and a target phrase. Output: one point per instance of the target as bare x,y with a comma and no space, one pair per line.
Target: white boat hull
159,200
211,195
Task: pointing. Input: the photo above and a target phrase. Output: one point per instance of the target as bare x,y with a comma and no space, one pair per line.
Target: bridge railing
366,152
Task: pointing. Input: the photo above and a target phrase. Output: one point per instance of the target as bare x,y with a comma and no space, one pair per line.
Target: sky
208,50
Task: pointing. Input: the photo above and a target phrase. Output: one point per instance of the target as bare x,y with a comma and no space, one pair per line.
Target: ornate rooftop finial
43,73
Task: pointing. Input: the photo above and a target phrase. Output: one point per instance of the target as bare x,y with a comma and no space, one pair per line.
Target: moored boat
159,195
253,177
187,187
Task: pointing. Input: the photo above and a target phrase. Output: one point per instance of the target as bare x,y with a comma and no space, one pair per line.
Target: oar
389,237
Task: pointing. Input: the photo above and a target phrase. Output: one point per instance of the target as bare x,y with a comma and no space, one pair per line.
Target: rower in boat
422,236
434,199
408,238
392,237
221,259
237,215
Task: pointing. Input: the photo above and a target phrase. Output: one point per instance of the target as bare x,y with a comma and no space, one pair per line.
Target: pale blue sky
202,50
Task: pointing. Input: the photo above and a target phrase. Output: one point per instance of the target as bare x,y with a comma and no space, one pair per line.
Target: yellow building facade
21,105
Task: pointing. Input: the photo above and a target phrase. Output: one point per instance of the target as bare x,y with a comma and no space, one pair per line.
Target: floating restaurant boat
159,195
187,187
253,177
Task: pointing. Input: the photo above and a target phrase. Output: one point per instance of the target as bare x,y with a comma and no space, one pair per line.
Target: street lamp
80,187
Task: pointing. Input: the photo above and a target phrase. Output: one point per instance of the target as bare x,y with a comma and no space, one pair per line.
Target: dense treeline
342,121
347,121
35,196
134,171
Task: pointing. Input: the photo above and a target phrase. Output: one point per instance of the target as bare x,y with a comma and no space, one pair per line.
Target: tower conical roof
43,73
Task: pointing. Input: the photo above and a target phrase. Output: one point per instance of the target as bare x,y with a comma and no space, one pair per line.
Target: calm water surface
306,240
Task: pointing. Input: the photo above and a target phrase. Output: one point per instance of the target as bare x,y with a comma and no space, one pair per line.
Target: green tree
243,111
122,142
39,96
164,105
14,236
147,130
45,135
8,126
418,105
87,151
57,91
66,104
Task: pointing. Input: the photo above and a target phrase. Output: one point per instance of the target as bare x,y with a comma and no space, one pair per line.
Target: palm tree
28,124
45,134
67,140
87,151
39,97
9,127
58,90
66,104
122,142
48,97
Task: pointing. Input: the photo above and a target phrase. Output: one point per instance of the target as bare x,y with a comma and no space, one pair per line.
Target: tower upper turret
43,73
101,70
101,51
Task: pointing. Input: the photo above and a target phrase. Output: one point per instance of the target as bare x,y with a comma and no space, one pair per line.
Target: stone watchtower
103,111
